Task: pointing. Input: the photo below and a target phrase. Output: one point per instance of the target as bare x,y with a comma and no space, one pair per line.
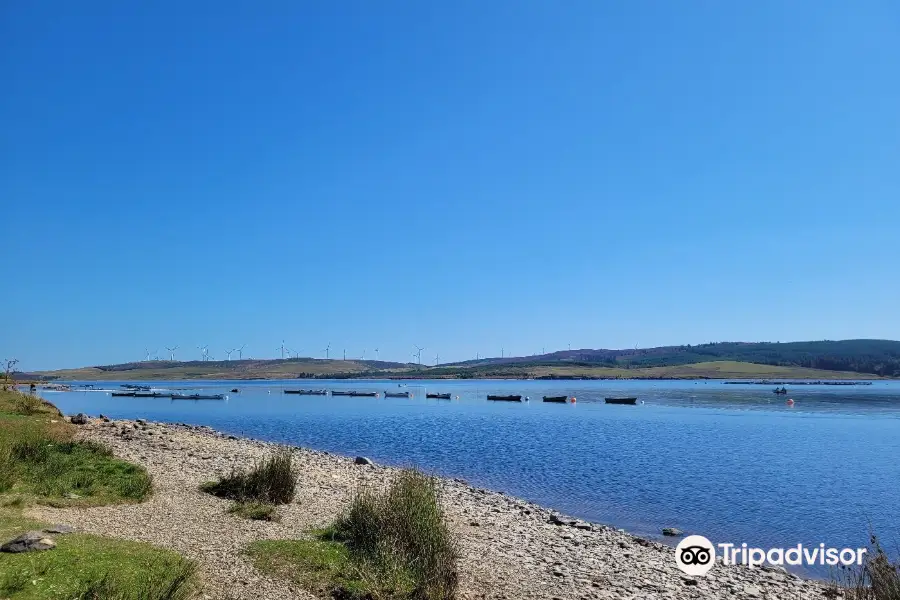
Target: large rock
80,419
61,529
30,541
362,460
672,531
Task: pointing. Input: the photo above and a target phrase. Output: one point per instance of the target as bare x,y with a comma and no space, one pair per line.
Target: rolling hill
733,360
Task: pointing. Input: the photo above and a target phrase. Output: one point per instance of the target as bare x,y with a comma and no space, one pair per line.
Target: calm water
733,463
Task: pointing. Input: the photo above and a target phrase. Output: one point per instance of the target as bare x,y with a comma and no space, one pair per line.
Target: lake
731,462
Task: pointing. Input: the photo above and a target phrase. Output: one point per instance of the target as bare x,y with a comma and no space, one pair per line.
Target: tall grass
400,538
27,404
878,578
271,481
161,582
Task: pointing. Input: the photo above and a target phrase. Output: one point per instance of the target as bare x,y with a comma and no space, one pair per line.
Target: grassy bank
41,462
395,544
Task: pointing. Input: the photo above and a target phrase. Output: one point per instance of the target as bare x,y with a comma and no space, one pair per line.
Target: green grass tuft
271,481
394,544
257,511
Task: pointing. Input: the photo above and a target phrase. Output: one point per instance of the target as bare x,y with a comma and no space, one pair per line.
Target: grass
86,567
878,578
391,545
256,511
271,481
40,460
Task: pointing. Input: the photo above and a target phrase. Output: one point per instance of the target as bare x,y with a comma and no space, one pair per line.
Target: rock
672,531
79,419
362,460
72,496
558,520
141,422
583,525
752,591
474,523
104,418
29,541
688,580
232,437
59,529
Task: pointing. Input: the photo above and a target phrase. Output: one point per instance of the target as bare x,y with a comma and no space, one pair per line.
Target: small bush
163,582
272,481
27,404
401,537
257,511
876,579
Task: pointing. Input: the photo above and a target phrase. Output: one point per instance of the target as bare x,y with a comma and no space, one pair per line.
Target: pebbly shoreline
511,548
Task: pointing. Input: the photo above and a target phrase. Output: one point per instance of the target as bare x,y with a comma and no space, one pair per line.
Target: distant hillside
793,360
874,357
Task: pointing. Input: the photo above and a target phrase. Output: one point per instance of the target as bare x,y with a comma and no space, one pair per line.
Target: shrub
27,404
876,579
271,481
401,536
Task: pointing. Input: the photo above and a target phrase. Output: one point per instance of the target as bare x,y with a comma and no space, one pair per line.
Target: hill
873,357
765,360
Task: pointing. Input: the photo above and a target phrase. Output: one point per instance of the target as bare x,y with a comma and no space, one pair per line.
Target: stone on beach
30,541
79,419
362,460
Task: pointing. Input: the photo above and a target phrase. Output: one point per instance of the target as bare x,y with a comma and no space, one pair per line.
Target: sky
469,176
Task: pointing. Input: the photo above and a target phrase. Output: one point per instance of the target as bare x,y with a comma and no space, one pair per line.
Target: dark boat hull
125,394
438,396
339,393
198,396
364,394
396,394
307,392
557,399
505,398
620,400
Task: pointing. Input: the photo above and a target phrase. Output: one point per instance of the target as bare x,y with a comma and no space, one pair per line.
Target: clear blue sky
466,176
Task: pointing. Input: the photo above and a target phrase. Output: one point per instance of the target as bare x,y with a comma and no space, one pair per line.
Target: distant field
290,369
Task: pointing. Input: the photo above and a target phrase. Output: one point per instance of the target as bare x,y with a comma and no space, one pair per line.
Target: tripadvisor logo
695,555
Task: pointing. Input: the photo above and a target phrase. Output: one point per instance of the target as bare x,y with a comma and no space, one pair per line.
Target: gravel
511,549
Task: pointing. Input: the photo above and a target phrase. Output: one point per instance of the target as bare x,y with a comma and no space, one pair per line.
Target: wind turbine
364,354
376,353
282,349
419,354
203,351
345,354
240,352
147,358
437,359
327,348
172,353
228,353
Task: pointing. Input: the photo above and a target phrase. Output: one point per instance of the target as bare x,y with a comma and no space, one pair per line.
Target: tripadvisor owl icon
695,555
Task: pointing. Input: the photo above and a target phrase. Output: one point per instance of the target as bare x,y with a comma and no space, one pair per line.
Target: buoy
573,399
790,402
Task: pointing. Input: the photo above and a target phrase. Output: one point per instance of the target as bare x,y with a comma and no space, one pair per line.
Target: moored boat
307,392
628,400
559,399
396,394
128,394
364,394
438,396
781,390
511,398
198,396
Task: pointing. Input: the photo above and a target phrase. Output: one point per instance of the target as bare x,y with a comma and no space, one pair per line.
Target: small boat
340,393
307,392
151,395
364,394
129,394
438,396
505,398
235,391
781,390
559,399
396,394
620,400
198,396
